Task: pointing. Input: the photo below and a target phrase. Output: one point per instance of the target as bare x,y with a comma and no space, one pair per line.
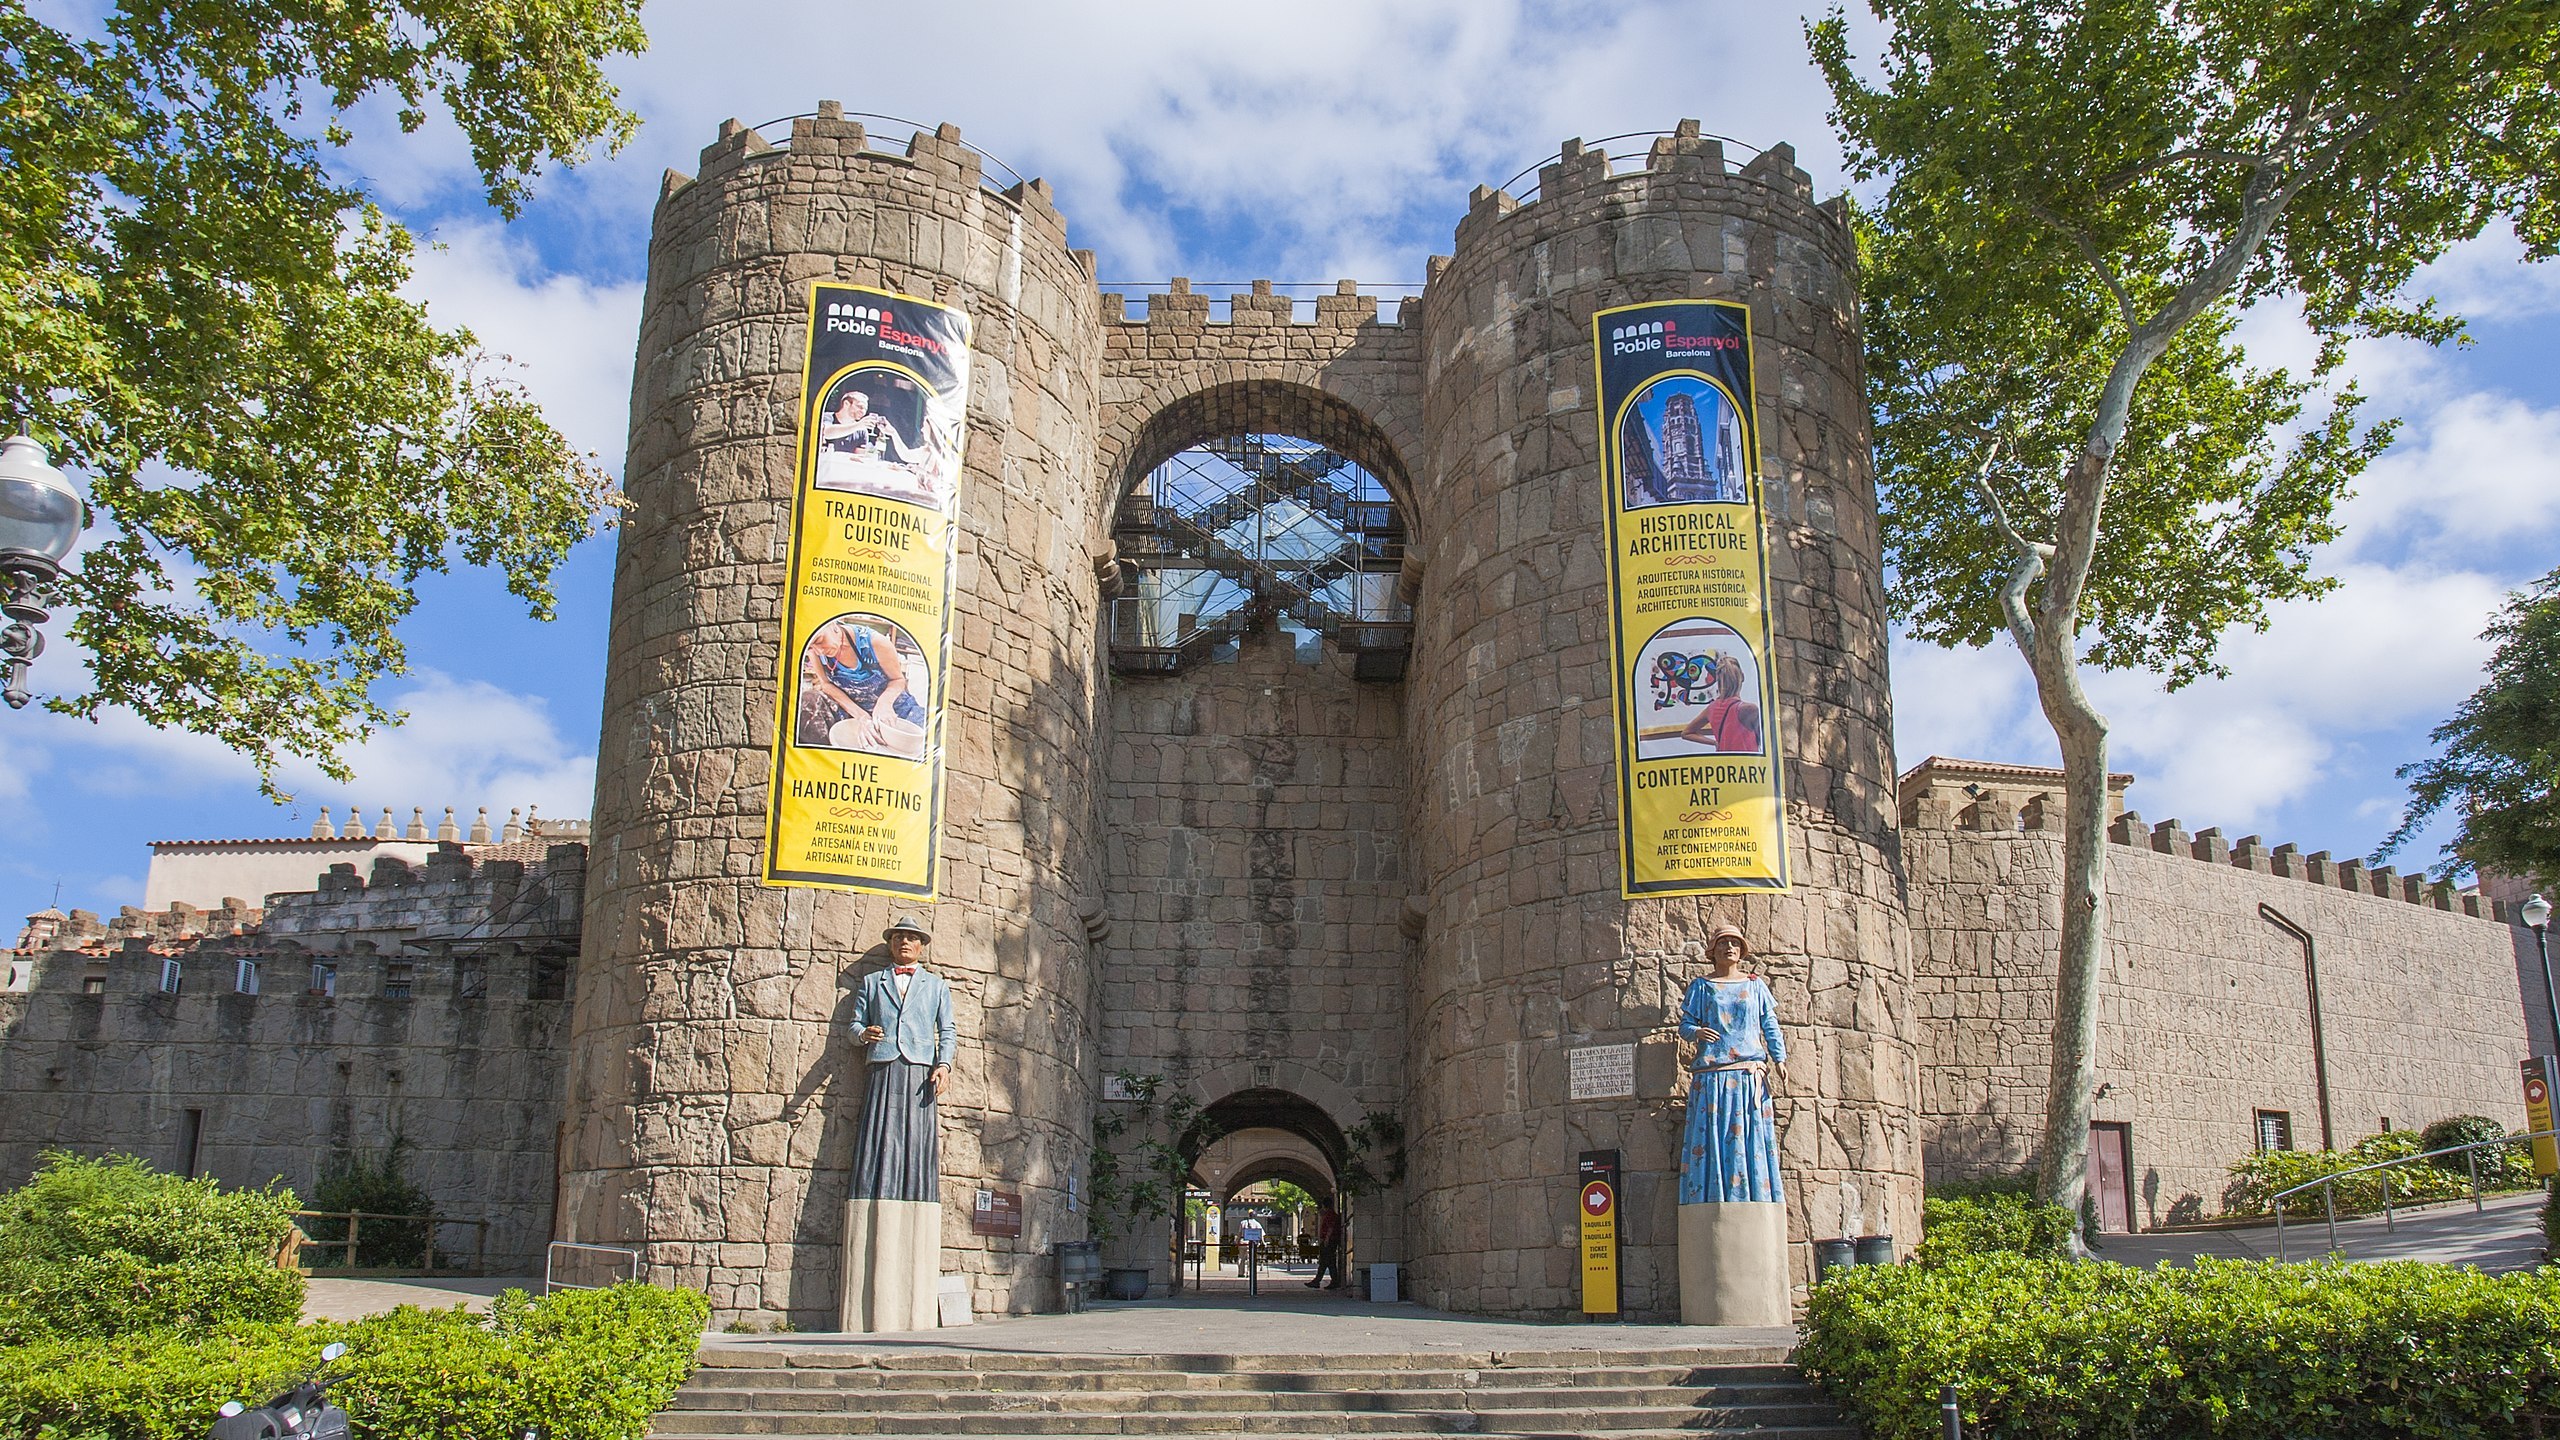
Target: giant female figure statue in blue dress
1733,1213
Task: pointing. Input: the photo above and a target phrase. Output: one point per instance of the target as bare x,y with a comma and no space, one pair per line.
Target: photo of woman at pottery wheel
864,685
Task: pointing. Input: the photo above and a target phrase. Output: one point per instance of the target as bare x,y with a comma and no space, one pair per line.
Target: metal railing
621,1258
2327,1184
423,1227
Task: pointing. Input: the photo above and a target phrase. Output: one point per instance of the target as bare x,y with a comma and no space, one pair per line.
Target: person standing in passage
893,1223
1328,1247
1733,1221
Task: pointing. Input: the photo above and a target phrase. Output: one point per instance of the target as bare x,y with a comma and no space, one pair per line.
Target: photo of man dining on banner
1703,692
881,433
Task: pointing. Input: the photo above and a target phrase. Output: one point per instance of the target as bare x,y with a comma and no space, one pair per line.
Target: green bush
2551,1225
375,1185
2048,1348
97,1247
580,1365
2257,1180
1993,1223
2463,1130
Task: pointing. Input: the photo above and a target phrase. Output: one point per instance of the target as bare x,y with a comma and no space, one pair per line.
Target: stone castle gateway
1280,770
1308,872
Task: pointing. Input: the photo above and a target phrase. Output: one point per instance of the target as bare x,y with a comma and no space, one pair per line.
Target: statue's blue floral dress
1729,1149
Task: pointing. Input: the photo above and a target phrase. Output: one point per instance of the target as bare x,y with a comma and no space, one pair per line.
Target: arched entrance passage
1255,1136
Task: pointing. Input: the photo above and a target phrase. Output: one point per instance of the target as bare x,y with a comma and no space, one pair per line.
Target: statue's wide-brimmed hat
1734,932
907,924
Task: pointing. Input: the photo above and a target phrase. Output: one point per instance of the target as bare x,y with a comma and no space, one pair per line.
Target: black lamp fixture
2537,918
41,516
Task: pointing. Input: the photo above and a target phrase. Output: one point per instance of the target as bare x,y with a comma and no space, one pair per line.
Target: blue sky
1308,142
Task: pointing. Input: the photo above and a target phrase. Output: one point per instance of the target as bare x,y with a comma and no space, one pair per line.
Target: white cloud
2472,476
2488,279
571,337
467,743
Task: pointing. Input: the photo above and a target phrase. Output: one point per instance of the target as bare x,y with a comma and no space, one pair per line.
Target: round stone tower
1528,951
712,1090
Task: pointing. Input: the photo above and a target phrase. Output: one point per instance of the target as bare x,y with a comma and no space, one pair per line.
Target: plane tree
201,313
2075,203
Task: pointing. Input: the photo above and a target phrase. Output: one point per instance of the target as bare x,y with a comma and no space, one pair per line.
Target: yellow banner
856,795
1700,803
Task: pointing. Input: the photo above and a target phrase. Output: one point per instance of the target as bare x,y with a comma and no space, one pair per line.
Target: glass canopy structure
1252,530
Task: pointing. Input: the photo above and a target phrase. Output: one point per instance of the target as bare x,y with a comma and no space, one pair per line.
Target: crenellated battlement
1975,797
832,132
1258,305
1679,160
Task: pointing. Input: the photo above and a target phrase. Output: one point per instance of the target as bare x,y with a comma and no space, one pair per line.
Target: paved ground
327,1298
1288,1318
2506,1235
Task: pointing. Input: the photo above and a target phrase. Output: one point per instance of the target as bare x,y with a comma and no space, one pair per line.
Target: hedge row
102,1247
580,1365
2044,1349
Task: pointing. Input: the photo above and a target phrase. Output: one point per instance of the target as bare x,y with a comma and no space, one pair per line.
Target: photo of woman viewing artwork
1701,684
864,685
880,433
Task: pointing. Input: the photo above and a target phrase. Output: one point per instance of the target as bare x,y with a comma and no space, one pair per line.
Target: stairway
1700,1392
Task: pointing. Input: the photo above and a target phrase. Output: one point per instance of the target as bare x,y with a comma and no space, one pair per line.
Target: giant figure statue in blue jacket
903,1023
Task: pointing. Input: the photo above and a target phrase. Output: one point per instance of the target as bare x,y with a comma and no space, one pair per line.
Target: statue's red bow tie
906,969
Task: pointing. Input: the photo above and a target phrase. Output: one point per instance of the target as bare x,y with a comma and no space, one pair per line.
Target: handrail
620,1255
918,127
1525,196
2389,1219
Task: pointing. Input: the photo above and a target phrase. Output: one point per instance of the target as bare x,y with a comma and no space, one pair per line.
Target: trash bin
1830,1255
1875,1250
1382,1282
1079,1271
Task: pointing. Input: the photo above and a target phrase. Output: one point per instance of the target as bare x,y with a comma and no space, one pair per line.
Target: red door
2111,1174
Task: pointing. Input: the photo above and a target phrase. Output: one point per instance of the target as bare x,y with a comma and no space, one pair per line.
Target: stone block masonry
440,1022
712,1091
2204,1012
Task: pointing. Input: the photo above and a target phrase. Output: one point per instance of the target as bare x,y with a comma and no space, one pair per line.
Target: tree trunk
2062,1171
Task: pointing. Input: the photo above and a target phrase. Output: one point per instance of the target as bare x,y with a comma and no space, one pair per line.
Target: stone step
1828,1431
717,1356
1233,1401
1194,1381
1032,1419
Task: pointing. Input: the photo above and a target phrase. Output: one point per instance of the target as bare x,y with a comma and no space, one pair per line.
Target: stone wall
1528,951
2204,1006
464,1070
1257,885
713,1091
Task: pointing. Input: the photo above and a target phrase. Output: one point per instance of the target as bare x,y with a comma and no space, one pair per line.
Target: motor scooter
303,1412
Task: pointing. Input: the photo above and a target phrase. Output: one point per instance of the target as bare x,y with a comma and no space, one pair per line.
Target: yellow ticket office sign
1701,802
2541,1077
1597,1174
856,795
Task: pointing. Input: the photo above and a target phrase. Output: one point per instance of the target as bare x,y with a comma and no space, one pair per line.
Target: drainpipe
2319,1043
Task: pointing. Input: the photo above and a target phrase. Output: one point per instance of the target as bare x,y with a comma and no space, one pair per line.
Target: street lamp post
2537,918
41,515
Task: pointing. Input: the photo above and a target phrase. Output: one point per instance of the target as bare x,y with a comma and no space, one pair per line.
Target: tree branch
2024,570
2112,183
2088,249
